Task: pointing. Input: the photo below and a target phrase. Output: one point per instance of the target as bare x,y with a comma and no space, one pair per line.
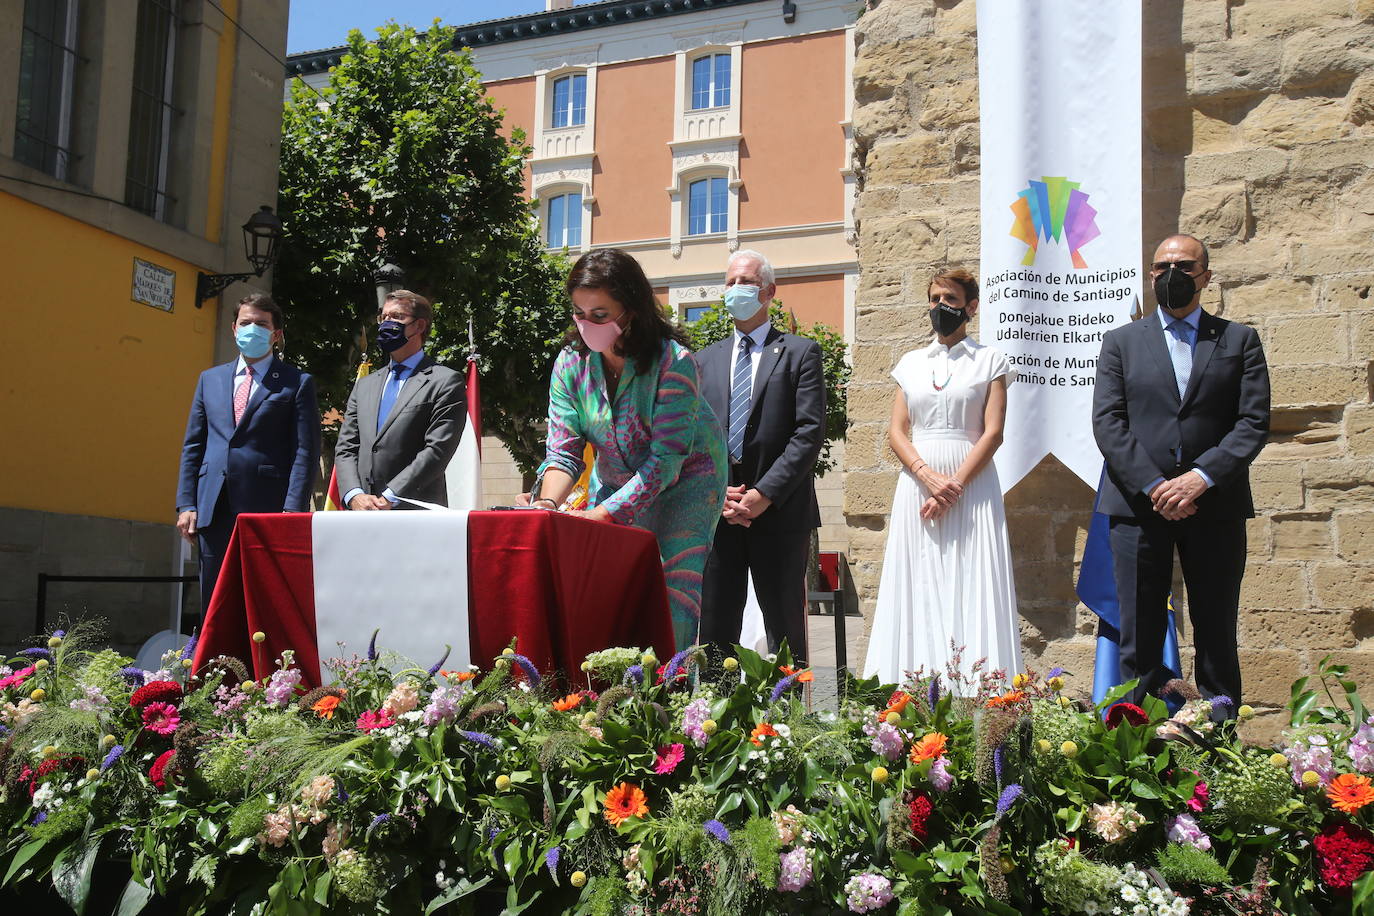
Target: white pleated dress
947,580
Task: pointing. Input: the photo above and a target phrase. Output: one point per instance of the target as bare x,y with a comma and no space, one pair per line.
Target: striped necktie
1181,353
241,394
741,399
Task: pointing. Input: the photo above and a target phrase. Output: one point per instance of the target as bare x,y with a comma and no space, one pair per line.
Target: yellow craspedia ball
893,718
502,782
648,660
54,642
1019,681
49,750
589,717
507,651
1246,711
1069,749
107,742
186,662
586,666
879,774
731,663
92,773
709,726
247,686
259,637
1056,683
1278,760
1065,702
1043,746
40,664
1007,865
1310,779
578,879
38,694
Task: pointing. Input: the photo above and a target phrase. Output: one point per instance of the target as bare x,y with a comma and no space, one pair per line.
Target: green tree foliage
717,325
400,157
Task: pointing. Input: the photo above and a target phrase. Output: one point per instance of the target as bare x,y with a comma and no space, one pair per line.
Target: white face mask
742,301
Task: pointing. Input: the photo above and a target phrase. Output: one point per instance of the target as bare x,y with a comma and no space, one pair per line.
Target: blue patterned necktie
389,393
1181,352
741,399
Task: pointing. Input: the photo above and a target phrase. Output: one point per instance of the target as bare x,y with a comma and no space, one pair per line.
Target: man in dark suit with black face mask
1180,410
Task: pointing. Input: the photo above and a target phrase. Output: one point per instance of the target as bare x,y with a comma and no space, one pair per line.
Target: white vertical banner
1059,99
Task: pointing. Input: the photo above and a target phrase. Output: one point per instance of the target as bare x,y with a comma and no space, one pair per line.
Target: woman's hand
523,499
598,514
933,509
944,490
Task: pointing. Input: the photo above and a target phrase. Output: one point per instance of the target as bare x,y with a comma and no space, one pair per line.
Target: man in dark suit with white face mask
767,390
1180,410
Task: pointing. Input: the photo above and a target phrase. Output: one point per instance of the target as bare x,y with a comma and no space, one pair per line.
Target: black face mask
391,336
946,319
1174,289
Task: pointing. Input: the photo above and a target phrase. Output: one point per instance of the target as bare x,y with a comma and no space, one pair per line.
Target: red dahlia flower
156,692
1128,711
1344,853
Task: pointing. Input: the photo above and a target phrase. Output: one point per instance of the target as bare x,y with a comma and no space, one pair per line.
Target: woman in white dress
947,577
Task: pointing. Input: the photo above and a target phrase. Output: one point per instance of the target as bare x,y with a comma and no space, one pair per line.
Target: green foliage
1184,865
759,840
1246,788
717,325
400,157
1072,882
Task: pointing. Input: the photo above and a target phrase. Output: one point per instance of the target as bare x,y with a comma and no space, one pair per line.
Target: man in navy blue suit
252,440
1180,410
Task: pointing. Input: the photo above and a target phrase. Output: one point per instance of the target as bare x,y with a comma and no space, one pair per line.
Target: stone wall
1258,139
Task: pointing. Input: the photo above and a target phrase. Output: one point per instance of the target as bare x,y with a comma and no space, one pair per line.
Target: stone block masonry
1259,139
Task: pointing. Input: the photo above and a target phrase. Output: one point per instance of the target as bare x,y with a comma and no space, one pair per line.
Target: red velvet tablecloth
562,586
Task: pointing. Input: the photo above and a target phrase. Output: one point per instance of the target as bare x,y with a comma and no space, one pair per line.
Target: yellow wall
94,387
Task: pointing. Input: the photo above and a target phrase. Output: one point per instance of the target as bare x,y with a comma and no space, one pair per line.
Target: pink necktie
241,394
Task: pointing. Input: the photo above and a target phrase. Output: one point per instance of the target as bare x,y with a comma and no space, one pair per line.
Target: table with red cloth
561,586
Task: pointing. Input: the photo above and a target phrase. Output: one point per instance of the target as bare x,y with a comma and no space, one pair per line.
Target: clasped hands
743,505
1176,498
944,492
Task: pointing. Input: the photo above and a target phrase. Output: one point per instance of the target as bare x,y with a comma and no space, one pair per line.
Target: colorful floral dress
660,460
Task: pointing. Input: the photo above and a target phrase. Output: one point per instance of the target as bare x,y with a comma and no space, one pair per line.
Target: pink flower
371,720
668,759
16,678
161,718
1199,799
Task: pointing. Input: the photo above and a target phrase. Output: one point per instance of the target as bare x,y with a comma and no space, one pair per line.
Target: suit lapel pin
777,349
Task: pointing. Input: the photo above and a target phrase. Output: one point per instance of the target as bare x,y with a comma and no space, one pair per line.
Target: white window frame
546,208
571,76
711,165
547,192
711,54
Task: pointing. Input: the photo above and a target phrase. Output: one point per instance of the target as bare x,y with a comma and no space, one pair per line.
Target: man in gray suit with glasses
403,423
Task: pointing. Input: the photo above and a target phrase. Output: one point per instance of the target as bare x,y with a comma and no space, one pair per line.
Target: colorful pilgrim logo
1054,208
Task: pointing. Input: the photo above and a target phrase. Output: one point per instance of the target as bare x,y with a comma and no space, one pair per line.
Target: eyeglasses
1186,266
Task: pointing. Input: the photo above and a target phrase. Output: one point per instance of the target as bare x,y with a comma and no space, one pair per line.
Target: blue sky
319,24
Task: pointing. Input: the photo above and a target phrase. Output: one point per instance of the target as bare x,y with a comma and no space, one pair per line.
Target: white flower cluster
1139,897
771,752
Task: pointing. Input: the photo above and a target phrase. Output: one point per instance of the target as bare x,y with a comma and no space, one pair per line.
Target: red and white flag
464,475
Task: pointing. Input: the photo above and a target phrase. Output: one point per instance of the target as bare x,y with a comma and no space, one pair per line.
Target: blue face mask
391,336
742,300
254,341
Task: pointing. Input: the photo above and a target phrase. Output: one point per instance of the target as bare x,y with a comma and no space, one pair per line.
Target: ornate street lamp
389,278
261,235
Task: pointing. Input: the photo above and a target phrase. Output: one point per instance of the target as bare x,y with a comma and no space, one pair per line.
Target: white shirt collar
756,336
259,368
964,346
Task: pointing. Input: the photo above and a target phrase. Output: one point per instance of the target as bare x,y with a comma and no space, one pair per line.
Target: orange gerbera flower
625,801
1350,792
324,707
896,703
1007,699
761,731
459,676
571,701
804,675
929,747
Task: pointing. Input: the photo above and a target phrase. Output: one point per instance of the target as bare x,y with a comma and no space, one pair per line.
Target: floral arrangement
645,786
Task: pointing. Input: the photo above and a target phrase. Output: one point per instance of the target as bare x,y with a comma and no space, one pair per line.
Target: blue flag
1097,590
